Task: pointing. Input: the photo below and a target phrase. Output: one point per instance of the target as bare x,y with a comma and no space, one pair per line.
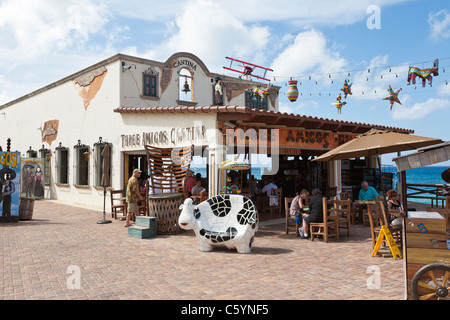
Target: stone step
145,222
141,232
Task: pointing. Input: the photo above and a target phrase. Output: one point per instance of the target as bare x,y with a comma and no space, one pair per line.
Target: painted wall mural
50,131
32,184
10,186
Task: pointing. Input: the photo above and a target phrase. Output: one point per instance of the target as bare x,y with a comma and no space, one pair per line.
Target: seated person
394,204
235,185
254,191
367,193
446,190
315,213
297,205
190,181
197,189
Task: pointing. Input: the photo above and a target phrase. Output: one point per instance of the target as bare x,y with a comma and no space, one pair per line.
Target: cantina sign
182,63
254,135
173,136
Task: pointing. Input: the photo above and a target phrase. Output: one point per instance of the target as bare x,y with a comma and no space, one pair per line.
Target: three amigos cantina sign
166,137
239,136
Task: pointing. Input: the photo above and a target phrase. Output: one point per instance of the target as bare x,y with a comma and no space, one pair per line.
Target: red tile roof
239,113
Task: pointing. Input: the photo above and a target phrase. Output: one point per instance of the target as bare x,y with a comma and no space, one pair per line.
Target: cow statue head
187,217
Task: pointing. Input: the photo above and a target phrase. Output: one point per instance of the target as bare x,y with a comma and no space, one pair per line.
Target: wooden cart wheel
431,282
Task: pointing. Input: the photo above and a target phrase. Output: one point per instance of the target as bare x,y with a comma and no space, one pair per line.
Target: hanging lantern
292,92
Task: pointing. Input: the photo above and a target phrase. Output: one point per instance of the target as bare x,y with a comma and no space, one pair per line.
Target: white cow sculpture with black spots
231,220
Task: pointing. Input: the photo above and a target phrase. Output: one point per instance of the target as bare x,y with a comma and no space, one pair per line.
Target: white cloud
308,52
209,31
439,24
30,29
375,79
420,110
302,13
298,107
444,89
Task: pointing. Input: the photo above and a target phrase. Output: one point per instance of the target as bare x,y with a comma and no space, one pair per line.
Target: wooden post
404,198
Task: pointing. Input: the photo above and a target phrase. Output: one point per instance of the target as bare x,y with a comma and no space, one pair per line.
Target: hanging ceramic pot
292,92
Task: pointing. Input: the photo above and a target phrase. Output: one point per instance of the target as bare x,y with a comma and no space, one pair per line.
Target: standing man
218,91
133,196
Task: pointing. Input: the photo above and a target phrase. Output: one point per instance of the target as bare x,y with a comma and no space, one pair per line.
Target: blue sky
42,41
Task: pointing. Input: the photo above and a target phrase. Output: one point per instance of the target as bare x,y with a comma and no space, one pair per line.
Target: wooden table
365,201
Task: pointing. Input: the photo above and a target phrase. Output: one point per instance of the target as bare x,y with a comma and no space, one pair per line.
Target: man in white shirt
218,91
268,188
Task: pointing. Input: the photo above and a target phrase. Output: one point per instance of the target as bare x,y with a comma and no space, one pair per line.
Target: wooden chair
366,212
143,205
376,220
330,224
276,209
342,209
290,220
165,174
353,211
118,204
331,192
203,196
396,230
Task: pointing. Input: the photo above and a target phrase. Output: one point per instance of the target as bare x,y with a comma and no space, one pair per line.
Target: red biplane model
248,69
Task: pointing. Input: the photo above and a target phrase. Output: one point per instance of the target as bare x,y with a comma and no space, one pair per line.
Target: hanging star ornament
347,89
339,104
393,96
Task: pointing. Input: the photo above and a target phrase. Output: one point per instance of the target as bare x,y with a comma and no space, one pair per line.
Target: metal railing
433,192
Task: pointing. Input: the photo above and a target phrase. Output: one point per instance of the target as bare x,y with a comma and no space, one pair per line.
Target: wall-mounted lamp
126,67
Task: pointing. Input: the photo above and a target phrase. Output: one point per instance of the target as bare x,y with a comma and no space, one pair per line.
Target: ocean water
424,175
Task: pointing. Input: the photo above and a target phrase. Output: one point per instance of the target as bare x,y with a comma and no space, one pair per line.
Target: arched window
62,164
185,85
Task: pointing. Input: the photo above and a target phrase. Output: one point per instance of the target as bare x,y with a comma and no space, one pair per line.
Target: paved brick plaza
36,256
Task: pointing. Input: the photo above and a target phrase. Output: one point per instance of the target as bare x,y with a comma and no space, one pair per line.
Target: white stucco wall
23,121
85,116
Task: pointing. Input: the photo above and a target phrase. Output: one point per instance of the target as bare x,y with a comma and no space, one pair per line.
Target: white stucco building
67,122
129,102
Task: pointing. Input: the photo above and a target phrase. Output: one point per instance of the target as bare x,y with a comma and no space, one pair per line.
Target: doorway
135,161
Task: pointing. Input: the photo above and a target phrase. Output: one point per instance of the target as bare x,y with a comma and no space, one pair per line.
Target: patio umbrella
105,182
234,164
445,175
376,142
